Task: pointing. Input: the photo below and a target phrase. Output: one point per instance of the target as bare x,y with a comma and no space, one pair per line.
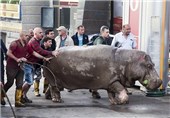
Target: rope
42,66
9,102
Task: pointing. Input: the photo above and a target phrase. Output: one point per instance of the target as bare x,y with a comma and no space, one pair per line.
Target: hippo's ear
147,58
142,57
146,61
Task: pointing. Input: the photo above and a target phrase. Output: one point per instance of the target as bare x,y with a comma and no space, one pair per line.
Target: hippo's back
83,67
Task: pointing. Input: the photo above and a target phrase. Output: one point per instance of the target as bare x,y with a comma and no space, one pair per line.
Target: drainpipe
51,3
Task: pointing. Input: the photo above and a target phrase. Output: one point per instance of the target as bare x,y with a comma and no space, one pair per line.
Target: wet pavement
80,104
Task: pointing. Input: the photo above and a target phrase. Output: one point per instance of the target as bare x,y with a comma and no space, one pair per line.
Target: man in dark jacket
3,56
80,38
104,37
50,33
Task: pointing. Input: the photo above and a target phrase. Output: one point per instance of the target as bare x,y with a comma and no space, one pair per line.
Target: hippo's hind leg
95,94
55,87
55,93
117,93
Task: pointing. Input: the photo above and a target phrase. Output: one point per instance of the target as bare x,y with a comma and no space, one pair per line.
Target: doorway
116,16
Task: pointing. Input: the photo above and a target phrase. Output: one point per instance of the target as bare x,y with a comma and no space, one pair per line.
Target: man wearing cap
63,39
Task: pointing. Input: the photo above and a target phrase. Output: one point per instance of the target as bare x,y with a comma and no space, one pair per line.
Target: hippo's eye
149,66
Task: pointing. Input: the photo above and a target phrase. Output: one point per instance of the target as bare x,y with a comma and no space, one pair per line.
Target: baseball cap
61,28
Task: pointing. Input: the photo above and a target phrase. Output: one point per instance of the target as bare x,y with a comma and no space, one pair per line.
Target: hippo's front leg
117,93
111,96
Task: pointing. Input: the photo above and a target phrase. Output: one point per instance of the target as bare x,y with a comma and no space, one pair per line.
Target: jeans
28,73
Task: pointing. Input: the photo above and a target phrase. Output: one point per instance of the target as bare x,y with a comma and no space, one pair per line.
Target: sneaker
37,94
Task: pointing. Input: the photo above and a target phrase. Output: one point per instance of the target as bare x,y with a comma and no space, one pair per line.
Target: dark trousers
13,74
2,72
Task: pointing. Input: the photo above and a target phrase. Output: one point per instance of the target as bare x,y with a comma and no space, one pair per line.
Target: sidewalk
80,104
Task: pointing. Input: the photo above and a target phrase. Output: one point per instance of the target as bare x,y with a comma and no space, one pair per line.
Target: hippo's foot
57,100
96,95
113,101
117,93
122,102
121,98
116,101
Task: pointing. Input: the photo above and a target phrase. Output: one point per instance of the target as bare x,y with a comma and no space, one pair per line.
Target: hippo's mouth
151,84
145,82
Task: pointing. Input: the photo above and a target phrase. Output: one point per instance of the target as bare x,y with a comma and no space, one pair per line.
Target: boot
36,89
2,98
45,85
18,94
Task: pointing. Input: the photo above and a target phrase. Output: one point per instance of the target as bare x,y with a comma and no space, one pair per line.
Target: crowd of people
25,56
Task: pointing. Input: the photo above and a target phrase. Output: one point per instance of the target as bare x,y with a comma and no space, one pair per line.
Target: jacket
76,41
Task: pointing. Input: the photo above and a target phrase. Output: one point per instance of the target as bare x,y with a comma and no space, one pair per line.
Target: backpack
93,39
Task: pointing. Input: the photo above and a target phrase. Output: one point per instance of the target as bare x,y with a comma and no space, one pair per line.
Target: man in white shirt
125,39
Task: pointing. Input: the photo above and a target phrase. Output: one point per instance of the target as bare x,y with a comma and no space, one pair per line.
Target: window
10,9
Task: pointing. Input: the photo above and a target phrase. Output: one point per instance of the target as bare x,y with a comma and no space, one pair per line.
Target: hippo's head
143,70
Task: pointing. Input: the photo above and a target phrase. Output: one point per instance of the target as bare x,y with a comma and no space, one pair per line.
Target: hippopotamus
101,67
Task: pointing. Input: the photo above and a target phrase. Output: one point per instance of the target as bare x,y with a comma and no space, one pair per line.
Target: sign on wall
69,2
10,10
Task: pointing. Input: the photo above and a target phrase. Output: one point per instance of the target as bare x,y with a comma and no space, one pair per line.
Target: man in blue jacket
80,38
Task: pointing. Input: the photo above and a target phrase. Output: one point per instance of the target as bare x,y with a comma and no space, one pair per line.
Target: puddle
138,109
